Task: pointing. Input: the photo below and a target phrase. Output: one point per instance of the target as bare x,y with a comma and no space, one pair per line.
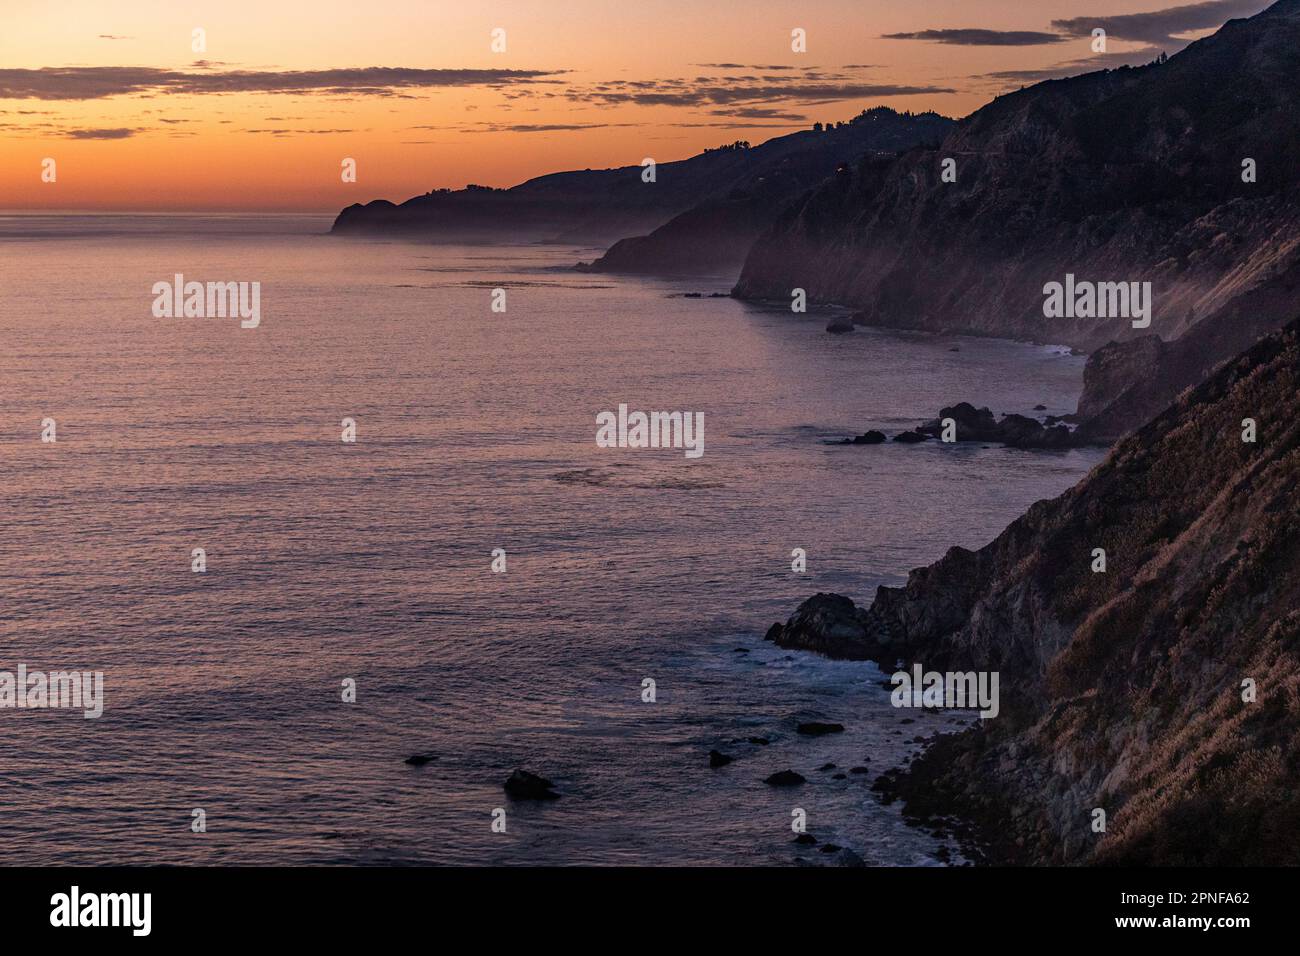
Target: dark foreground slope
605,204
1120,175
1123,690
715,235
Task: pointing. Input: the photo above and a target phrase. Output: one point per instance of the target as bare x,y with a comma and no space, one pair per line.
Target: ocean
371,561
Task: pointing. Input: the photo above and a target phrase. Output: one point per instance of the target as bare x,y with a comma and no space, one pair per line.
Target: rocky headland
1164,689
1177,173
710,206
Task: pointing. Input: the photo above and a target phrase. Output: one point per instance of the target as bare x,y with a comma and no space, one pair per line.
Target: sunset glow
136,118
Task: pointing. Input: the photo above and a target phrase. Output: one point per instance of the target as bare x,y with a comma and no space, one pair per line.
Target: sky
259,110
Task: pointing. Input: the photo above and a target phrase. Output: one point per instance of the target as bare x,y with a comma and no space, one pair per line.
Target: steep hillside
1123,689
715,236
605,204
1124,175
1127,383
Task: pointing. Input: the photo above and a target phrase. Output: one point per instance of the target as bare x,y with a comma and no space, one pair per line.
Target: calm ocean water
371,560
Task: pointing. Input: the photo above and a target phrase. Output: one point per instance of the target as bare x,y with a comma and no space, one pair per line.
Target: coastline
1147,678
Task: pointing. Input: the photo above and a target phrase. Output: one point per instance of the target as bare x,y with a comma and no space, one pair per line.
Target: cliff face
715,235
1127,383
604,204
1125,175
1124,689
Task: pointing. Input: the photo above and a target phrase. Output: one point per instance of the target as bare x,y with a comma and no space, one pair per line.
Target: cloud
1091,64
118,133
731,124
543,127
760,112
1156,30
744,66
298,132
528,127
97,82
721,92
982,37
112,36
1160,28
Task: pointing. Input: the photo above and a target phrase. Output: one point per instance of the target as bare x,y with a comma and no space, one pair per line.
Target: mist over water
371,560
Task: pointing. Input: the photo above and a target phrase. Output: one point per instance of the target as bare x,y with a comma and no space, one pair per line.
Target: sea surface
371,561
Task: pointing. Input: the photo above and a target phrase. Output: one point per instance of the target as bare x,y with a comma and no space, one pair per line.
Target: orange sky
135,118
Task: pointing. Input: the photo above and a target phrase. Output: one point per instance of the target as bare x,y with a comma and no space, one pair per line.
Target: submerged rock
785,778
839,325
872,437
718,759
522,785
911,437
419,760
815,728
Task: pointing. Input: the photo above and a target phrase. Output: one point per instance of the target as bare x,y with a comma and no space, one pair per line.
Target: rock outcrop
525,785
1165,689
979,425
785,778
871,437
718,759
1126,384
829,624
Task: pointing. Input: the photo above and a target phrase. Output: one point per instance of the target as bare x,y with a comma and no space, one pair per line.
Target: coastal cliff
728,194
715,235
1124,689
1126,383
577,205
1126,175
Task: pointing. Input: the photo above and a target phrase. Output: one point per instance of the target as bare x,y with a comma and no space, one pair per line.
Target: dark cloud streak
118,133
724,94
1160,27
98,82
964,37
